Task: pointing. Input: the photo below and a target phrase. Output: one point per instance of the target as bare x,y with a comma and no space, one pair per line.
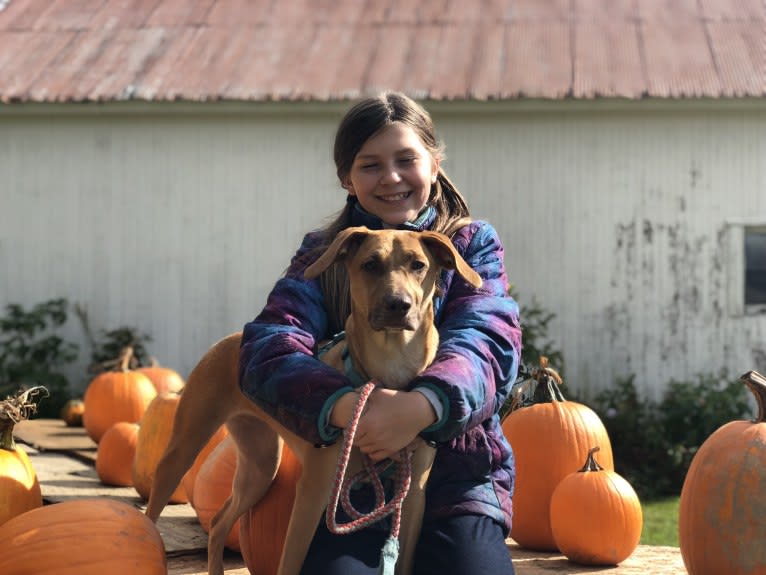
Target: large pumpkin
163,378
116,452
19,486
595,515
213,487
154,432
548,435
722,513
263,529
113,396
82,537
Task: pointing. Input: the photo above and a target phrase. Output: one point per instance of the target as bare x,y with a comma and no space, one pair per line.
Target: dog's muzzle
394,312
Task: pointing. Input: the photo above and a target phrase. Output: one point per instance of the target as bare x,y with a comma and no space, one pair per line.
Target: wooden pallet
64,459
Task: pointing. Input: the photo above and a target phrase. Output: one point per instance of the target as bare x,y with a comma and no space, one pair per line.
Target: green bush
654,441
32,354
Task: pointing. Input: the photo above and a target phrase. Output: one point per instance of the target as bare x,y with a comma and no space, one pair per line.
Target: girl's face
392,175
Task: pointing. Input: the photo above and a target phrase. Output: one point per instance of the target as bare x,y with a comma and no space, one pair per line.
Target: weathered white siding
178,220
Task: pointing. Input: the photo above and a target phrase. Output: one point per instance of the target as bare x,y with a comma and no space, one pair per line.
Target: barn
161,159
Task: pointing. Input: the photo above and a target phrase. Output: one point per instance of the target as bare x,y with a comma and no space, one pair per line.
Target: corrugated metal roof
200,50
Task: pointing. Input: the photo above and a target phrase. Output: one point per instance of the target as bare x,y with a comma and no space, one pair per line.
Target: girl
389,161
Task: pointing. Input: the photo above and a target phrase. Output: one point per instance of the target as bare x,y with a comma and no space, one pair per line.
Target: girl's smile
392,175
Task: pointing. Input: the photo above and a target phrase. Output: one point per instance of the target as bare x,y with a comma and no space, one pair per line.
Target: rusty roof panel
733,10
425,52
523,10
200,50
179,13
24,56
68,15
668,76
607,60
736,59
128,14
489,62
22,15
538,60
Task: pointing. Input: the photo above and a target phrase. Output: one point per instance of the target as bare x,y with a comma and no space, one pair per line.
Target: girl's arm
278,368
480,346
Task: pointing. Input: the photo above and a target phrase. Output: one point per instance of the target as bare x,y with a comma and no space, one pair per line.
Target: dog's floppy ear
447,256
337,250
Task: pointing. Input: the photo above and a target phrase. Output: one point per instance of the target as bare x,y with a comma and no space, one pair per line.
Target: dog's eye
417,265
371,266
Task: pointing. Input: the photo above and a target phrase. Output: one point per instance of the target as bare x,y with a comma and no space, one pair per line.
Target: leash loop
341,491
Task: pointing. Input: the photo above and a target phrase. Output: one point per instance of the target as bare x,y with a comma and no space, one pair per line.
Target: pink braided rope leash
342,489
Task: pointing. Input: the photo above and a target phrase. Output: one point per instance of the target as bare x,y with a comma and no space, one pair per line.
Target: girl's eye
408,160
369,166
417,265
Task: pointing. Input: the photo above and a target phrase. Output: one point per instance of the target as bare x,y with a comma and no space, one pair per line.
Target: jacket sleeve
278,368
480,340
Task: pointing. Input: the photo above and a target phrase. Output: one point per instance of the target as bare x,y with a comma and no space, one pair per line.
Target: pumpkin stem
125,356
756,383
591,464
15,409
541,387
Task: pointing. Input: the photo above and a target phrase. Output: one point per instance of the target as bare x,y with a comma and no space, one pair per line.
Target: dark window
755,265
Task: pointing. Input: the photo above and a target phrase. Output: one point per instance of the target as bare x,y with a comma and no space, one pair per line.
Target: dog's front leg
413,508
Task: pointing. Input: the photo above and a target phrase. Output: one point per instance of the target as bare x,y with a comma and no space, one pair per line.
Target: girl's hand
391,421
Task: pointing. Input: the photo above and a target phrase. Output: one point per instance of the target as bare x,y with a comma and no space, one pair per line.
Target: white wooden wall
615,217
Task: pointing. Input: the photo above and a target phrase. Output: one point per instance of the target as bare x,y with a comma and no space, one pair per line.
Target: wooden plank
54,435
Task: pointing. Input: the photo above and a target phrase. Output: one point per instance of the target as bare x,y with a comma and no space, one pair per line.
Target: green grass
660,522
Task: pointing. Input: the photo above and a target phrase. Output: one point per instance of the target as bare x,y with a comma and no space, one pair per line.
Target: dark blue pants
463,545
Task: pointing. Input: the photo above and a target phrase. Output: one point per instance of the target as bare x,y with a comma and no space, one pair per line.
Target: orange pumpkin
263,528
72,411
163,378
19,486
595,515
114,396
116,451
190,477
722,513
154,432
548,435
213,487
82,537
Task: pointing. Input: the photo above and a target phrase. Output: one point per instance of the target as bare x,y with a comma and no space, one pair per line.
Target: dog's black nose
397,305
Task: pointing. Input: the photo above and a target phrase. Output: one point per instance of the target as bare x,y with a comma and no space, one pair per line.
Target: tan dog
391,338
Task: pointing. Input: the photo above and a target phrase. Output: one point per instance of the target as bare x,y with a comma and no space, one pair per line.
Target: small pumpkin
190,477
19,486
596,516
548,435
163,378
105,535
213,487
722,510
113,396
115,455
262,530
72,411
154,432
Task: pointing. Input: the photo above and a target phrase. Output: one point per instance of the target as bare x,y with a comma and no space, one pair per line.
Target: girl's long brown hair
364,120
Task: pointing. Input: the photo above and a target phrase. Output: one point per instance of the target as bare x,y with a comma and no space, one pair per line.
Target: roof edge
333,107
